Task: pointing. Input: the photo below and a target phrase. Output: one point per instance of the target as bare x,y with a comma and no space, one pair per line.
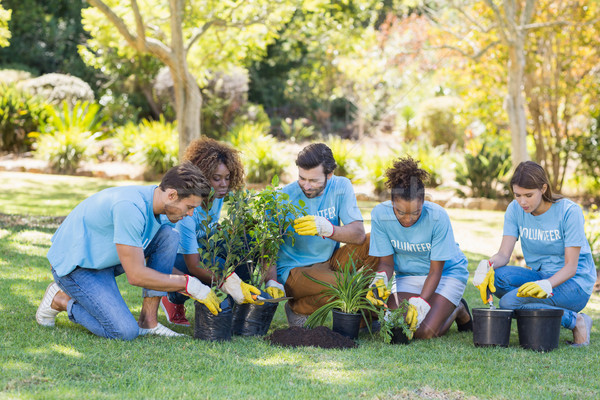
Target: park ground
68,362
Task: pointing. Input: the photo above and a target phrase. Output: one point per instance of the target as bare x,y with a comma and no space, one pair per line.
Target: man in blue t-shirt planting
332,218
115,231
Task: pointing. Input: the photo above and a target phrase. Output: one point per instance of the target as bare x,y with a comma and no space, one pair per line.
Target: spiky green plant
348,294
66,138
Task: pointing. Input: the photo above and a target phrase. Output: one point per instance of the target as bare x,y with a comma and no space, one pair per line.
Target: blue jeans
568,296
96,302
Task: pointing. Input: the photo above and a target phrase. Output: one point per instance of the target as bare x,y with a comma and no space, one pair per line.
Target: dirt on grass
318,337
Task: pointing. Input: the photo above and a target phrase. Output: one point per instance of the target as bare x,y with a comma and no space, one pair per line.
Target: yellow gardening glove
311,225
275,289
484,279
202,293
241,291
417,311
539,289
411,318
380,293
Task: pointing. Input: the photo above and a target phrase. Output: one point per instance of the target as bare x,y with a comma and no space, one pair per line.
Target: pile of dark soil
318,337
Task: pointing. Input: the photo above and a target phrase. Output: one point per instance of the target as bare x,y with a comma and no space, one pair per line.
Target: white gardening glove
539,289
202,293
417,311
240,291
484,279
274,289
380,293
313,225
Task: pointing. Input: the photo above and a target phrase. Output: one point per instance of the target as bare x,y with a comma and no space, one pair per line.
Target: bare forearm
353,233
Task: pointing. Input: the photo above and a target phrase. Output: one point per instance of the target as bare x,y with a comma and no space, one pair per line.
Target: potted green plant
268,218
394,328
346,300
225,242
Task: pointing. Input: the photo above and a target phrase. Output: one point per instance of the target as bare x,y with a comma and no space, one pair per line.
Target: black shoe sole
467,326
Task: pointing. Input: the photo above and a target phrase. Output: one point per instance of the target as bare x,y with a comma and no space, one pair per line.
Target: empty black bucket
213,327
252,319
491,327
346,324
539,329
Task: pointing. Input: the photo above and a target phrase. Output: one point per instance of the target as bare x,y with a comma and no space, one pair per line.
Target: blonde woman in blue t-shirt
561,271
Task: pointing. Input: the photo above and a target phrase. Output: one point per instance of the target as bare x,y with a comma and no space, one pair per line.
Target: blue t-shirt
87,237
544,238
191,229
430,238
337,203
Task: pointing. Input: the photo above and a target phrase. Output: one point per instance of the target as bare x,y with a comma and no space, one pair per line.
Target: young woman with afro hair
415,244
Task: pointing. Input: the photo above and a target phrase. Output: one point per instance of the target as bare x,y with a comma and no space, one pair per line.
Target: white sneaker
294,319
159,330
45,314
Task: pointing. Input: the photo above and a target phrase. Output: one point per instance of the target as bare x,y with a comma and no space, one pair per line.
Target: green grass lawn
67,362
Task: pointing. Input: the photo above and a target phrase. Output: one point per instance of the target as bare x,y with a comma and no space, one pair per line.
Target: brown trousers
307,295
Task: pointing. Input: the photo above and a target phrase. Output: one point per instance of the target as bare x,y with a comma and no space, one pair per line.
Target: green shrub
486,163
262,159
260,151
347,155
68,136
587,147
592,231
376,167
296,131
153,143
246,133
437,120
20,114
431,158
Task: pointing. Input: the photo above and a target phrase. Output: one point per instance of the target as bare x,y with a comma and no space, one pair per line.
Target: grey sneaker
159,330
45,314
293,318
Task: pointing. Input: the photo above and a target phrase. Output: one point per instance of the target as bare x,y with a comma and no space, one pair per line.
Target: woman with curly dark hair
413,238
221,165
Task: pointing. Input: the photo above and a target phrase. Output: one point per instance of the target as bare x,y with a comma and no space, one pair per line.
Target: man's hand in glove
379,293
312,225
202,293
417,311
538,289
240,291
275,289
484,279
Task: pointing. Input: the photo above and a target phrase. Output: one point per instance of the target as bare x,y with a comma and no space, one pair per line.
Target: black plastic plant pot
346,324
399,337
491,327
252,319
213,327
539,329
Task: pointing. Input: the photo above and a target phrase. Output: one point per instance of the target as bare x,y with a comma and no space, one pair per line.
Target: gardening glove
538,289
275,289
202,294
240,291
484,279
380,292
417,311
313,225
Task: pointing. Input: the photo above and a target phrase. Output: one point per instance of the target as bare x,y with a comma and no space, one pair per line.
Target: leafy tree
45,35
4,31
195,38
561,82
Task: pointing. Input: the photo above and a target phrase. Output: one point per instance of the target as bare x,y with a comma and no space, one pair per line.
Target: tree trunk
515,103
188,103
